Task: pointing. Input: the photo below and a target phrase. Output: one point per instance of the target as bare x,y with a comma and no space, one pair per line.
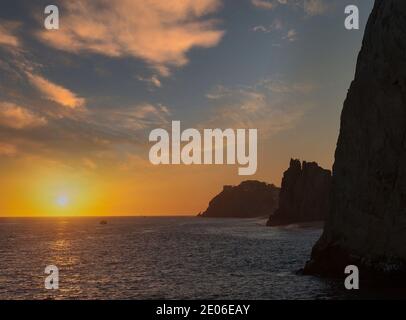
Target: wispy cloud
291,35
7,34
17,117
20,66
249,109
270,105
264,4
77,128
283,87
152,81
55,93
7,149
310,7
278,28
136,118
276,25
272,4
315,7
159,32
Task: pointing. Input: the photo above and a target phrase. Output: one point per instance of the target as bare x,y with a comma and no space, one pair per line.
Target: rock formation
366,225
304,195
248,200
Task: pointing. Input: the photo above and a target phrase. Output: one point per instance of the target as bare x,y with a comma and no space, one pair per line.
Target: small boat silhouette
103,222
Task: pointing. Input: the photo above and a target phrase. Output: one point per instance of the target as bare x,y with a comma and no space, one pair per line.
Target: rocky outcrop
248,200
366,225
304,195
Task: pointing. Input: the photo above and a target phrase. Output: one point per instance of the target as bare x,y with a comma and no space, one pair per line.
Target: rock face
304,196
366,225
248,200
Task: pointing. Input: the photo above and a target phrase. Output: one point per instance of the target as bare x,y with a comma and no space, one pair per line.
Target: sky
77,104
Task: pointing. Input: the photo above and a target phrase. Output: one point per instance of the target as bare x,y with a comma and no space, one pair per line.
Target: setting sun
62,200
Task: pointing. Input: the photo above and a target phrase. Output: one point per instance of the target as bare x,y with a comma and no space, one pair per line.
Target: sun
57,194
62,200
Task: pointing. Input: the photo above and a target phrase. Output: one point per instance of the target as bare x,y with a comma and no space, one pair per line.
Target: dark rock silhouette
366,225
304,196
248,200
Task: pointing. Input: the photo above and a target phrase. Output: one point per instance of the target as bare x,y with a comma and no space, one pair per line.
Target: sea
160,258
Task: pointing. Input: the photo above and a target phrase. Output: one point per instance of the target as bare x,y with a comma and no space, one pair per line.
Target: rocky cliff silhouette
366,225
304,196
248,200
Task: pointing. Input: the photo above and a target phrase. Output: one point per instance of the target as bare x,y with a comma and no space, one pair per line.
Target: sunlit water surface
158,258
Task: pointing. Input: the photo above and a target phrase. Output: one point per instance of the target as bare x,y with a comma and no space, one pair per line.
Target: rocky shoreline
367,220
250,199
304,195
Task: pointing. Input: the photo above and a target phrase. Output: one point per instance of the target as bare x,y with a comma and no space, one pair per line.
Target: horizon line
102,216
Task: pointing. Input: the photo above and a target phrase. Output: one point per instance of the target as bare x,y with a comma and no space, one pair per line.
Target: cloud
158,32
90,138
270,105
140,117
261,29
19,66
7,149
283,87
128,125
54,92
315,7
291,35
249,108
276,25
263,4
17,117
7,34
279,28
271,4
153,81
310,7
89,164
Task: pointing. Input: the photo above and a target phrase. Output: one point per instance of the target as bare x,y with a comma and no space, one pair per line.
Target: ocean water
158,258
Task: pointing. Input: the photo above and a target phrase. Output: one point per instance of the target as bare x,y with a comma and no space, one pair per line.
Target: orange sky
77,104
33,187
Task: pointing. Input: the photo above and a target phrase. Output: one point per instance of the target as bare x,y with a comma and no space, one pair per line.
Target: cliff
366,225
304,196
248,200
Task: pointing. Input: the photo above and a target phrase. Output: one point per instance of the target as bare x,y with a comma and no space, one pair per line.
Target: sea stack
304,196
366,225
250,199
